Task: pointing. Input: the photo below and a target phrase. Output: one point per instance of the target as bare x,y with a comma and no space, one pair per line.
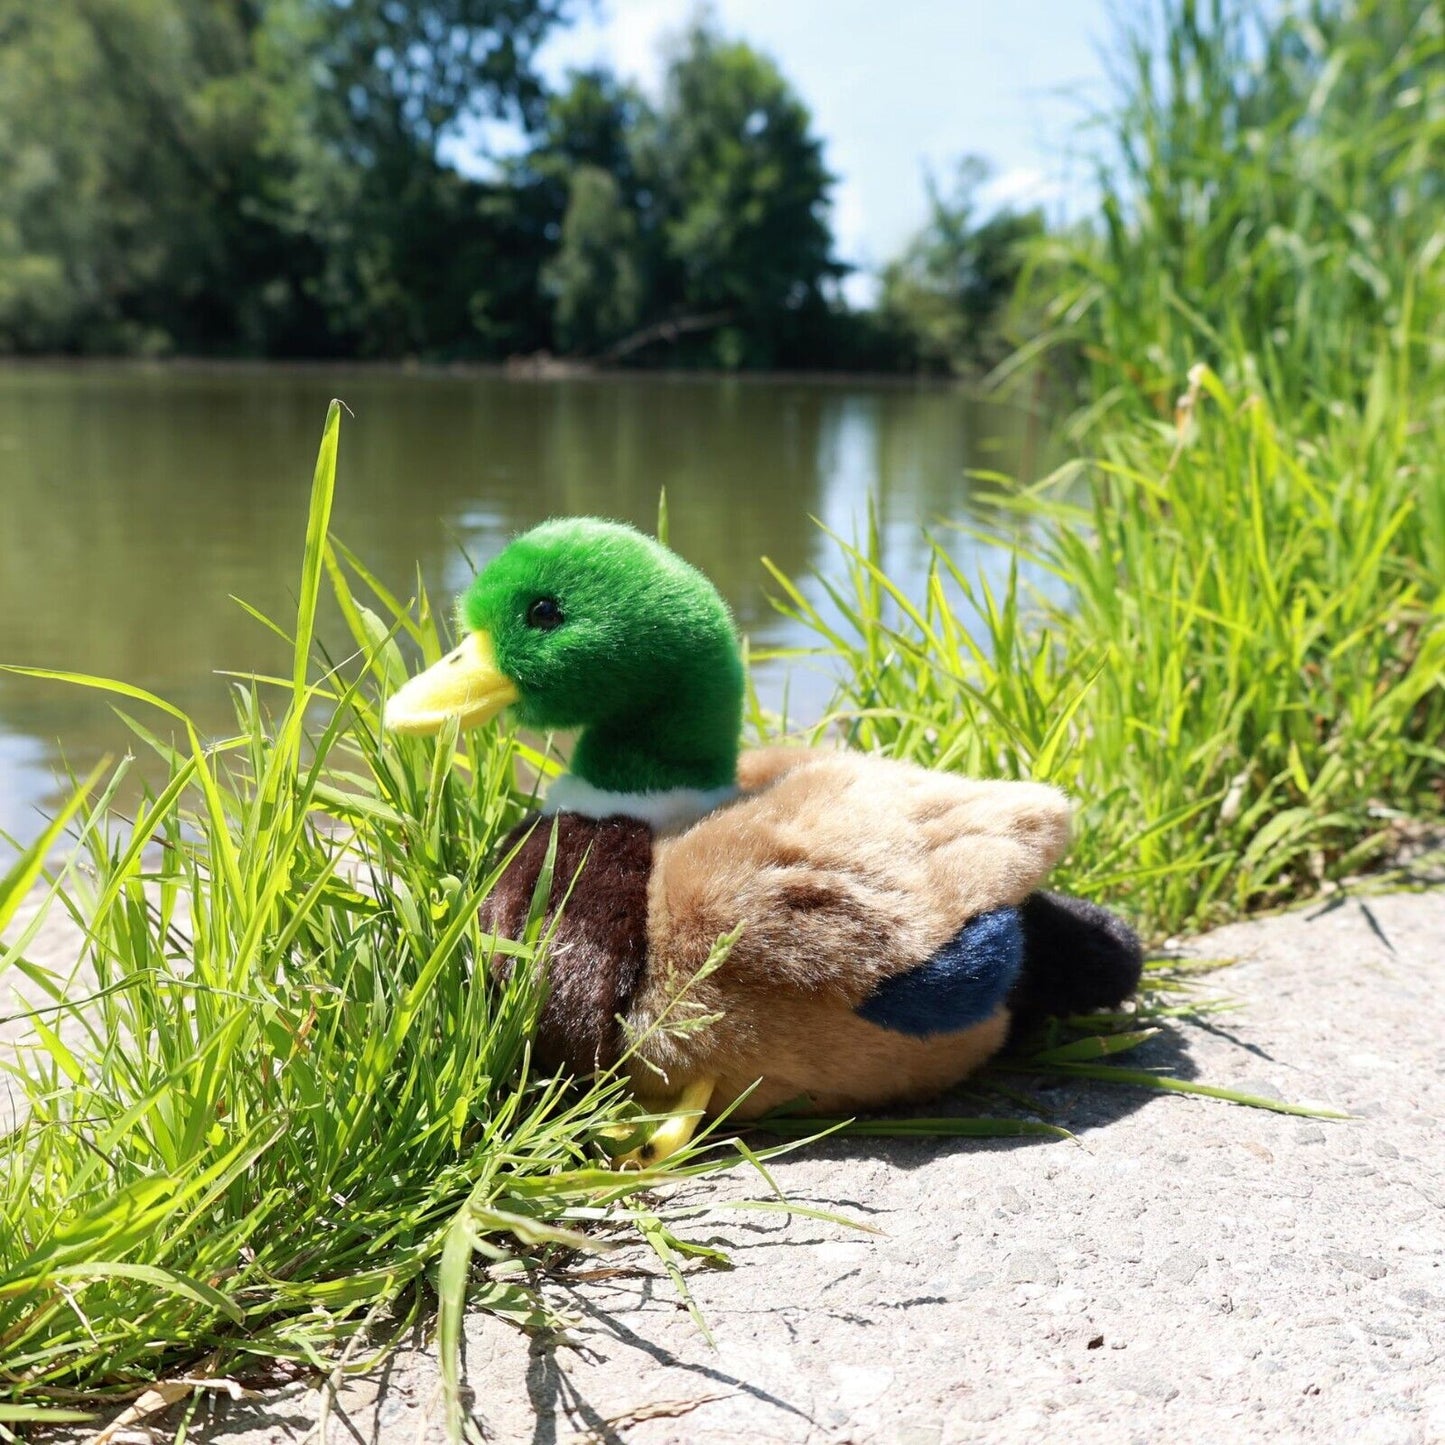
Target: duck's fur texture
845,871
599,947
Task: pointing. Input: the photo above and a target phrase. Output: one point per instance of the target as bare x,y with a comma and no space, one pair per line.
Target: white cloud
625,35
850,220
861,289
1020,187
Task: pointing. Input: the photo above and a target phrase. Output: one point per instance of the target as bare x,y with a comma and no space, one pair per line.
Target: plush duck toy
890,927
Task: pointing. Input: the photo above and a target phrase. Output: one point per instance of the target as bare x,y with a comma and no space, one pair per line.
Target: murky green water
135,502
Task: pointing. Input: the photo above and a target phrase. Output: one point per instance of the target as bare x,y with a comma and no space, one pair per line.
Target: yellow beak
466,684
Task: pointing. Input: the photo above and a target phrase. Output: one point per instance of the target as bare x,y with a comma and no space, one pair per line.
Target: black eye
544,614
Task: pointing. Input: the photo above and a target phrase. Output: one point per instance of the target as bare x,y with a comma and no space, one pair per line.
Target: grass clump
1237,666
1270,204
1241,683
282,1085
1236,663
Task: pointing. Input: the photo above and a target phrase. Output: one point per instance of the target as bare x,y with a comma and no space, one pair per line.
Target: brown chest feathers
599,950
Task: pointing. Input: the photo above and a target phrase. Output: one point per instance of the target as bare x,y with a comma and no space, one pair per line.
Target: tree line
272,178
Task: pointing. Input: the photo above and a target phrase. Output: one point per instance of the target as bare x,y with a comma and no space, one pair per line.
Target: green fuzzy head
603,629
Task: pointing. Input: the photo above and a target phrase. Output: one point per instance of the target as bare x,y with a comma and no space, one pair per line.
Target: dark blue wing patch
961,985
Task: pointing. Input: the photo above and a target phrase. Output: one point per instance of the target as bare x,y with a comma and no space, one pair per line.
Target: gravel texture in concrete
1182,1270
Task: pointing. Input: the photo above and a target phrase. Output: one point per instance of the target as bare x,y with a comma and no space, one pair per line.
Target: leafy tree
394,77
593,122
596,276
124,122
692,232
256,175
950,289
580,175
387,82
265,177
740,193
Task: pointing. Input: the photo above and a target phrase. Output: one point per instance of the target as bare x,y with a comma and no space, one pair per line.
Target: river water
137,501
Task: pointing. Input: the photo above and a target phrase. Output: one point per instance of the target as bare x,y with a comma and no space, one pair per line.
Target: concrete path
1185,1271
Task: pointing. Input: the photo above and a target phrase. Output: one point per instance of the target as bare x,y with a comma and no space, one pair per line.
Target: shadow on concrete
559,1407
553,1393
1012,1092
1075,1104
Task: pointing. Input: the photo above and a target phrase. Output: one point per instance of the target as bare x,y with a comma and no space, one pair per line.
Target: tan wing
847,869
844,870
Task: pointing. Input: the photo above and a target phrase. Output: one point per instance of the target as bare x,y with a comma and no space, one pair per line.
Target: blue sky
895,85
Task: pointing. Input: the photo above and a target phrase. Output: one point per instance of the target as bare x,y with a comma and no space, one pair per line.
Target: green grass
1238,672
281,1092
1241,688
1270,204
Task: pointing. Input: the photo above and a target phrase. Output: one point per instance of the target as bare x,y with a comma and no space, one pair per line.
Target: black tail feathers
1077,957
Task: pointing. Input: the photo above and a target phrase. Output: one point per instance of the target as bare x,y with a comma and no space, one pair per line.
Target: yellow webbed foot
686,1111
